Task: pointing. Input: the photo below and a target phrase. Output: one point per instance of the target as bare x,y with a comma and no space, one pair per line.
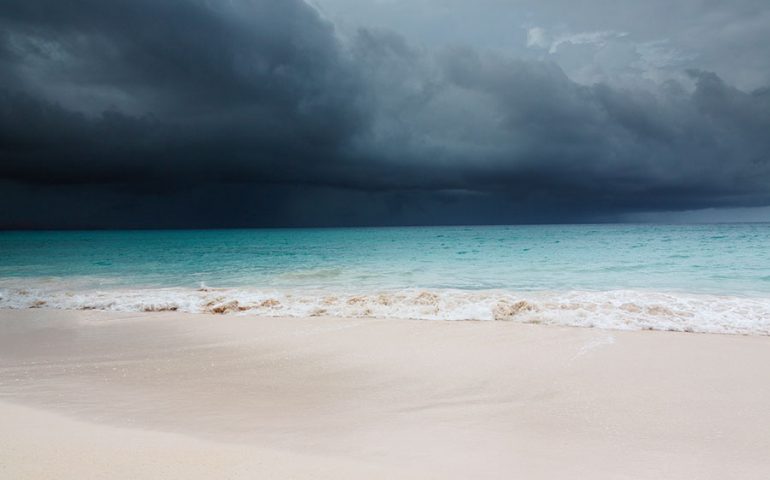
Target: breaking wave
618,309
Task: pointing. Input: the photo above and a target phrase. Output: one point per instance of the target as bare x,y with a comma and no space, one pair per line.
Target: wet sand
170,395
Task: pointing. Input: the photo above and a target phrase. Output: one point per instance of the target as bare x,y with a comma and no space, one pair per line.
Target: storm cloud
203,113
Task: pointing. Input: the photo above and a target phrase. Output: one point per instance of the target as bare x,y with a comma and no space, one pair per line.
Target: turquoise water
696,258
527,262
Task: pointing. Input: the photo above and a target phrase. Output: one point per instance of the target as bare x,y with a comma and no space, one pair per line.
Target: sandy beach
171,395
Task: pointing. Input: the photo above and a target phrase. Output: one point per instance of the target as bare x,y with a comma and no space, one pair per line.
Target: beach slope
170,395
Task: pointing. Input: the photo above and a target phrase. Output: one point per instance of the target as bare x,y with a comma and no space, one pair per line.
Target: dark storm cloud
225,89
200,113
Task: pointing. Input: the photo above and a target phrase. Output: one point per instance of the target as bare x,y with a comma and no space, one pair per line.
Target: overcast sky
224,113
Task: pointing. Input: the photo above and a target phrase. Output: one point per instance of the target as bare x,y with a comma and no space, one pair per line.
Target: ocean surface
702,278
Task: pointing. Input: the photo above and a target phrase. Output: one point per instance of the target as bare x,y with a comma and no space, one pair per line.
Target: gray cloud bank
196,113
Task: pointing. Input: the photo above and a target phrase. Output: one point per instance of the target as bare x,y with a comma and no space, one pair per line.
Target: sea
690,278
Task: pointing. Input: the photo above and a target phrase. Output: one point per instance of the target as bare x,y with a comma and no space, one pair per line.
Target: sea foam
616,309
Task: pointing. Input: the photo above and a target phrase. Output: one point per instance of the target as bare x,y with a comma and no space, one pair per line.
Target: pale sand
100,395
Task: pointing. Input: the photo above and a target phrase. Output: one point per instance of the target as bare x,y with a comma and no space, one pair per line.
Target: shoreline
197,395
623,310
249,315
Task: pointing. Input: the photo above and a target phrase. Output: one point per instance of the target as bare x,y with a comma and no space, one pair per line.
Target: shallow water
679,277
